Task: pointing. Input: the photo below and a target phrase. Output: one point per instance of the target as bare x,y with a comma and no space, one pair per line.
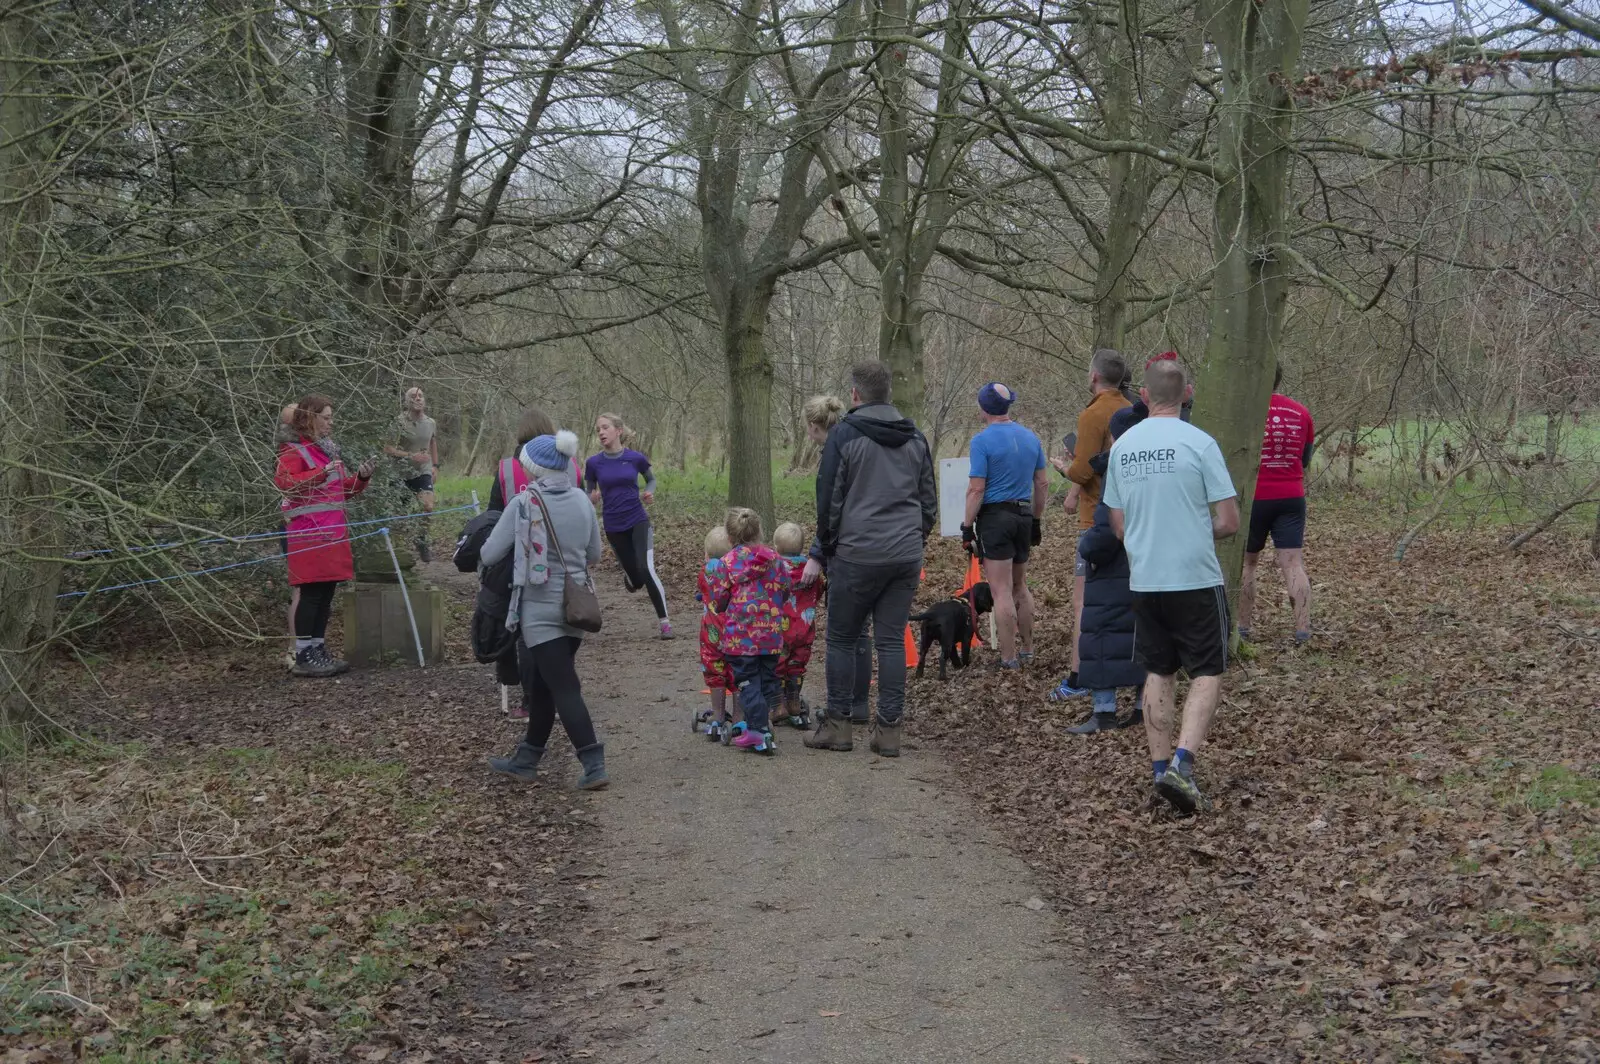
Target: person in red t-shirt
1279,509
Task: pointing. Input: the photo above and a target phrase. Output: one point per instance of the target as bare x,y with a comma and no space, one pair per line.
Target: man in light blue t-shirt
1005,500
1162,480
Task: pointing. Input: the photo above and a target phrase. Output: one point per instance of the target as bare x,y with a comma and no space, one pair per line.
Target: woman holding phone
316,487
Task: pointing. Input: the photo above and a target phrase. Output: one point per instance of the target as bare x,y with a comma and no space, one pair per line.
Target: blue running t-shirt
1006,455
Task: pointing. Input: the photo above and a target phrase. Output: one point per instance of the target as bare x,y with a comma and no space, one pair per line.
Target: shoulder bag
580,606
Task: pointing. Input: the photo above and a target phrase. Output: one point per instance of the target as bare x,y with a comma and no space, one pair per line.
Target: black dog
952,624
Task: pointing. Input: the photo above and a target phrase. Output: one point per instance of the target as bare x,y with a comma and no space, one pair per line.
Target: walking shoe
1025,657
1181,792
885,739
309,663
1065,692
666,630
747,738
518,712
1097,722
1008,666
593,759
339,665
1301,638
831,734
523,764
423,552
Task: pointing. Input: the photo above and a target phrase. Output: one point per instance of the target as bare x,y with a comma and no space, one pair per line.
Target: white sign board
953,476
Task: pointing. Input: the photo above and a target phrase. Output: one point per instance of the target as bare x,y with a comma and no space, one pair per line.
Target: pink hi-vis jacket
315,490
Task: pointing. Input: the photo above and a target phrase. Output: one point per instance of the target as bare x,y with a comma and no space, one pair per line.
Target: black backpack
472,539
490,636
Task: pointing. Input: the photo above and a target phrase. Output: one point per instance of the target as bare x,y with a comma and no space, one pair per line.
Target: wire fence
254,537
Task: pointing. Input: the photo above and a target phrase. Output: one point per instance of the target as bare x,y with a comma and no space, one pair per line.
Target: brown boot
831,734
885,741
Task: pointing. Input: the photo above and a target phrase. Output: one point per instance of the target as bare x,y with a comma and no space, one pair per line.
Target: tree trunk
1552,436
912,218
1555,515
485,416
750,404
1129,181
1594,541
1258,43
30,524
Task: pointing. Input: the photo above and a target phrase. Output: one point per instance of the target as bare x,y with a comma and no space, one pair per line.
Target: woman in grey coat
547,555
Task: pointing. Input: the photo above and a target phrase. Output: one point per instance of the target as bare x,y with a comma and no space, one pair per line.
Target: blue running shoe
1064,691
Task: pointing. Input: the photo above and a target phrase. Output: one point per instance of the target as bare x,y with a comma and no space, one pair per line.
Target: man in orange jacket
1108,374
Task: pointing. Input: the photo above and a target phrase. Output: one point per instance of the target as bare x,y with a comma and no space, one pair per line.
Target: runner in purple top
612,477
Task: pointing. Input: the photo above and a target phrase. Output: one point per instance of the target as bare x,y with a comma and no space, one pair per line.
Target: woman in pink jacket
315,488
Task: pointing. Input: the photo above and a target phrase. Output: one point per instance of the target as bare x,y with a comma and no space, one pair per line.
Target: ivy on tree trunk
1258,43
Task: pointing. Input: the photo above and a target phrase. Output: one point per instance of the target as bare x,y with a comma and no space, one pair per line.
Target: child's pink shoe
757,742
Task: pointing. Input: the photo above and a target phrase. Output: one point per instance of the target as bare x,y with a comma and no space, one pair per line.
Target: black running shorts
1004,531
1182,629
420,483
1283,519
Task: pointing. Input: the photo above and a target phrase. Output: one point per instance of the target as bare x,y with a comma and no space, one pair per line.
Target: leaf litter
1402,863
251,868
1404,859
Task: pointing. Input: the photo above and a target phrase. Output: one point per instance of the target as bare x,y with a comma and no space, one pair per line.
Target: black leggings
550,688
636,550
316,604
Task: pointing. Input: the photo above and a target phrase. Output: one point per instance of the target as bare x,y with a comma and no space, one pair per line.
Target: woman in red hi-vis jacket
315,488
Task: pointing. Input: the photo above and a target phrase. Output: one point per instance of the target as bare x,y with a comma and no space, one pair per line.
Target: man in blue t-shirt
1005,499
1162,480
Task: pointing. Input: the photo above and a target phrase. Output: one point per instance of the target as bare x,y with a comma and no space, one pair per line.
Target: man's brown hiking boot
831,734
885,741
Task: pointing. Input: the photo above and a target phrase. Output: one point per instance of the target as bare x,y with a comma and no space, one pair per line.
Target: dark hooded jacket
876,499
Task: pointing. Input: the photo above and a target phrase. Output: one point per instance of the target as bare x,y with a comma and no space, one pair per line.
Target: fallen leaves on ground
283,870
1404,857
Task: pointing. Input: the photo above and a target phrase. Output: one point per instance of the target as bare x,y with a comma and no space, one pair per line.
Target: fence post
477,508
405,593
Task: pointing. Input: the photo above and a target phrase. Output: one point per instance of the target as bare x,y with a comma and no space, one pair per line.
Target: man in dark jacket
876,506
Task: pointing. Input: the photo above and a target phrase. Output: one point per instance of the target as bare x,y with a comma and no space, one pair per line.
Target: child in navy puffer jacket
751,593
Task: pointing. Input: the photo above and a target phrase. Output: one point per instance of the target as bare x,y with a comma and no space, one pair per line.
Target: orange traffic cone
911,649
974,573
974,576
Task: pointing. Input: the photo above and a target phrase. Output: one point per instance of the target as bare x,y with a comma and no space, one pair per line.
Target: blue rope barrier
219,568
256,536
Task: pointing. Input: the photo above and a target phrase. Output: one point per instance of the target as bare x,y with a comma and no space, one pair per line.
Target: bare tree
751,143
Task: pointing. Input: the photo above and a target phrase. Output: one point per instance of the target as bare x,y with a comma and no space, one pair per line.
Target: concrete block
377,632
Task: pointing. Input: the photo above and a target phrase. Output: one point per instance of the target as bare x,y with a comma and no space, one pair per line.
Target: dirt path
813,906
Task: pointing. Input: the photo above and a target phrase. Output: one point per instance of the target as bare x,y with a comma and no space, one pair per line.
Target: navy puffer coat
1105,649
